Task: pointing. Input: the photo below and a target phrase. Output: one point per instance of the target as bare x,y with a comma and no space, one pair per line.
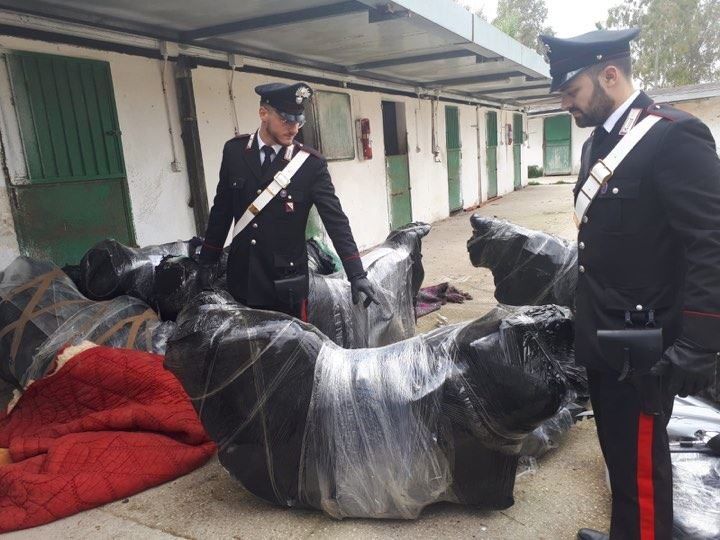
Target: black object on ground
529,267
380,432
41,311
110,269
395,269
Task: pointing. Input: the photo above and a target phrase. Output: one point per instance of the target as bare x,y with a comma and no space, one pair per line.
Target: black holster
633,352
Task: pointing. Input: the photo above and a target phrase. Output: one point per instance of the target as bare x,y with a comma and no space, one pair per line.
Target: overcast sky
567,17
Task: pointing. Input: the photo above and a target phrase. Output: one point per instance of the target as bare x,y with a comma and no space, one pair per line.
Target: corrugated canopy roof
428,44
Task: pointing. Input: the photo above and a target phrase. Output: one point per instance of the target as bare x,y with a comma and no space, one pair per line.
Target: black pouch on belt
292,290
633,352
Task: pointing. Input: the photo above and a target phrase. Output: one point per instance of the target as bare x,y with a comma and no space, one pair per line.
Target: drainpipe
191,141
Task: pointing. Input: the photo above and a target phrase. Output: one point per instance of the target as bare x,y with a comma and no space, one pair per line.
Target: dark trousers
635,448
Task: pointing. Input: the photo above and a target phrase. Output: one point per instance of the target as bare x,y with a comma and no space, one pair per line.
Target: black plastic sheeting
379,432
529,267
41,311
175,282
110,269
320,260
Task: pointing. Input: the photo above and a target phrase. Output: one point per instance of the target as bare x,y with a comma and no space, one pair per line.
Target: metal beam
385,13
506,90
475,79
538,96
191,142
276,19
405,60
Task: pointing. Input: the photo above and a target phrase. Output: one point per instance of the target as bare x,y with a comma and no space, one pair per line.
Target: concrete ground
566,492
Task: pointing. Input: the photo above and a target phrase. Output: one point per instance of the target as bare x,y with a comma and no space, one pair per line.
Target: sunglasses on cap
287,118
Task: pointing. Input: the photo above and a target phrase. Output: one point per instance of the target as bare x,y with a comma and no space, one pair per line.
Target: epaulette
668,112
309,149
239,138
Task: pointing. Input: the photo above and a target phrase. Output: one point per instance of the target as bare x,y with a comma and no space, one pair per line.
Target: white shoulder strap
280,181
603,170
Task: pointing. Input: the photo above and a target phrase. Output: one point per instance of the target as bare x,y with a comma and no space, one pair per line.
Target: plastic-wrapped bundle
110,269
395,269
174,284
320,260
529,267
696,496
548,435
41,311
380,432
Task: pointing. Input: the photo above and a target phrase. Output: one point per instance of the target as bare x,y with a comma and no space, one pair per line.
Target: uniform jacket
273,246
652,237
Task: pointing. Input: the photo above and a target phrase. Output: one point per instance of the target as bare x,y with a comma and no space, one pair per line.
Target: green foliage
523,20
679,43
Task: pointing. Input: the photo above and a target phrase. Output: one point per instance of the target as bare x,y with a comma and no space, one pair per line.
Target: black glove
363,285
688,367
206,275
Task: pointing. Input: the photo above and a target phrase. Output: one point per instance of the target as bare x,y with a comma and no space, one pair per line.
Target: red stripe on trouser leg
303,311
645,487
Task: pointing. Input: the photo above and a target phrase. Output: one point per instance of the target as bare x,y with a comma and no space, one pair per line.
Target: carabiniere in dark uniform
272,250
648,261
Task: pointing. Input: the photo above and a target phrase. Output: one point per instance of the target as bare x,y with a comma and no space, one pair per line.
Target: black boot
590,534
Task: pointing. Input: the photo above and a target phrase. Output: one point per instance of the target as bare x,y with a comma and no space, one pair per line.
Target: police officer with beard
268,263
649,271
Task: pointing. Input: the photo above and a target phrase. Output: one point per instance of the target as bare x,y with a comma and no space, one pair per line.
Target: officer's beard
600,108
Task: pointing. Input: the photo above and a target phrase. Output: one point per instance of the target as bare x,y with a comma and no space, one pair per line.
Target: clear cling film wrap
529,267
696,496
321,260
548,435
41,311
110,269
375,432
395,269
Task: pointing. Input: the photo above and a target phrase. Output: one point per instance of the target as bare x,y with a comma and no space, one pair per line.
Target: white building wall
159,197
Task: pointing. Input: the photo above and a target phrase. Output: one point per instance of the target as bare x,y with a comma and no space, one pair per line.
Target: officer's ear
610,76
264,112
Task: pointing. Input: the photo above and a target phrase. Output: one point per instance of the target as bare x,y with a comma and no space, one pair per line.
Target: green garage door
556,145
454,156
75,193
492,143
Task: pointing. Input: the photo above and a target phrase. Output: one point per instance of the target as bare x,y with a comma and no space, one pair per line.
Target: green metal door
454,156
557,144
492,141
396,163
398,174
517,148
75,192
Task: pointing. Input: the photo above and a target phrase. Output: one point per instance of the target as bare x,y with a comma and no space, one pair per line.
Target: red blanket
110,423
